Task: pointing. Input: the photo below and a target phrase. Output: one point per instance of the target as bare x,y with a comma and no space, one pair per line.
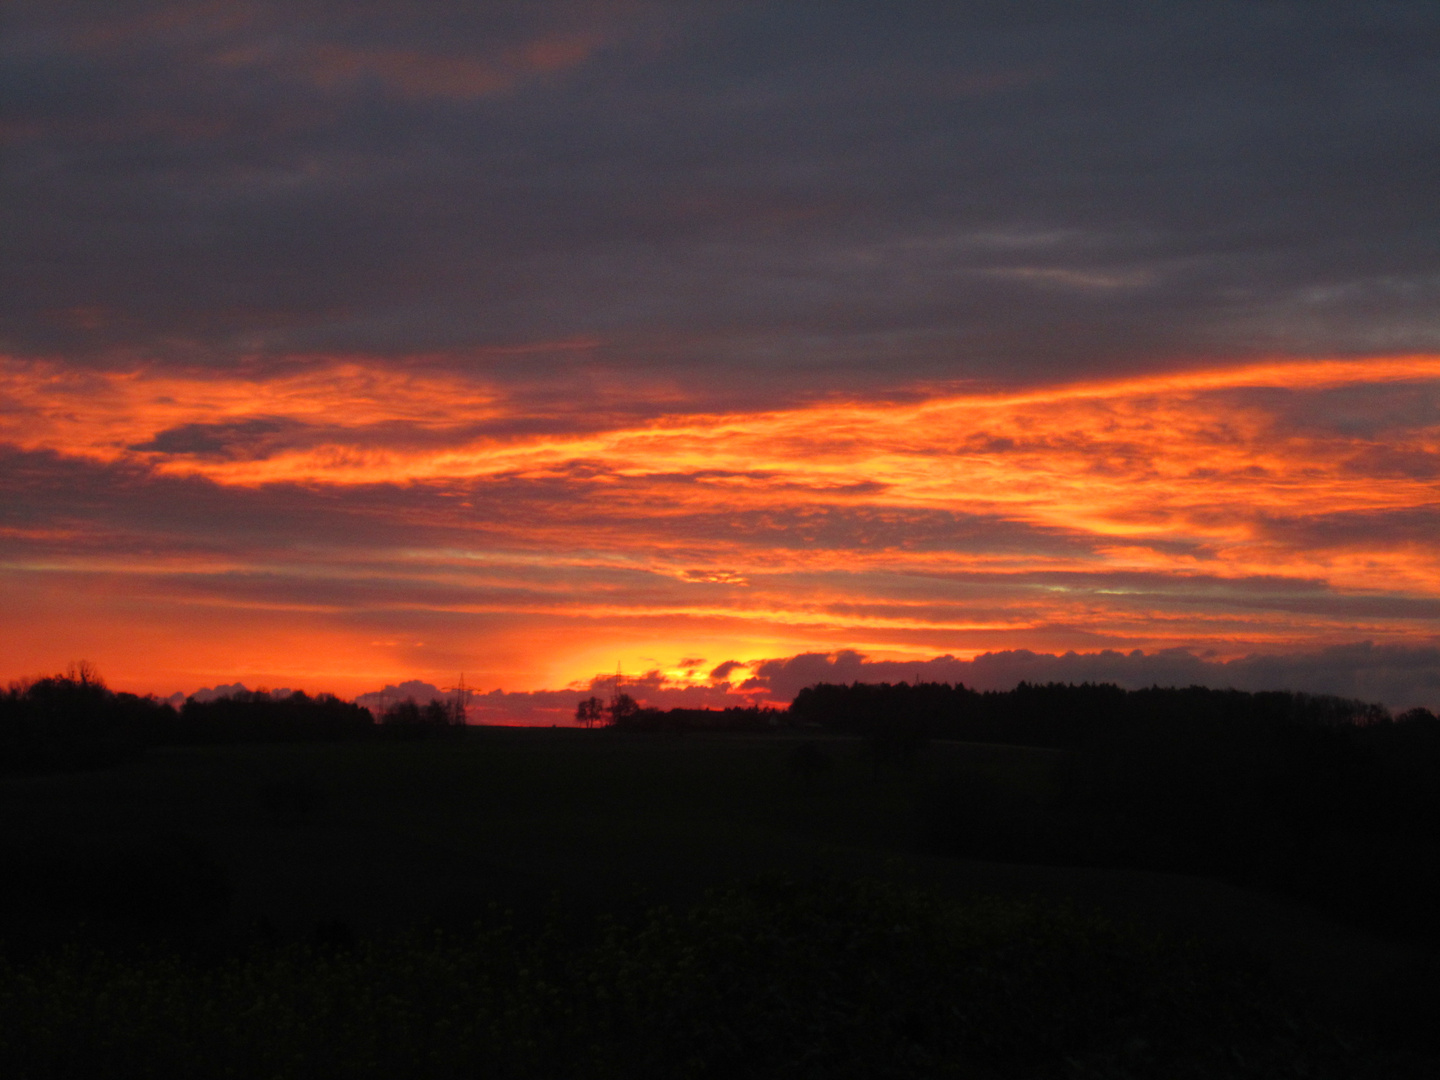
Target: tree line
74,721
1062,715
623,713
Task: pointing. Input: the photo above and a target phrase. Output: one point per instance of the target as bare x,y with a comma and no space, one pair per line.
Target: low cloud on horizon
1396,676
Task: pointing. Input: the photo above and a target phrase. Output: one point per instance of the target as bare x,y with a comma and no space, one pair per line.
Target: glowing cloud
1269,505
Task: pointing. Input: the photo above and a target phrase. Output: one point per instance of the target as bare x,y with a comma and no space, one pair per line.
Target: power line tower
460,695
615,691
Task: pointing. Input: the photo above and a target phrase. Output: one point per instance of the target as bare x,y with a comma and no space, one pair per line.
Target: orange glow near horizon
958,522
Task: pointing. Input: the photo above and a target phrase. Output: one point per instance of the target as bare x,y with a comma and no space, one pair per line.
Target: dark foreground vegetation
1332,801
826,980
259,893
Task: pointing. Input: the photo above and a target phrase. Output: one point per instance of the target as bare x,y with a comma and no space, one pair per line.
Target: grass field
382,837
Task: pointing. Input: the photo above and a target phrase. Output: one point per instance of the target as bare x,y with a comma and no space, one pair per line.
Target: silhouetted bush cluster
408,720
832,980
623,713
259,717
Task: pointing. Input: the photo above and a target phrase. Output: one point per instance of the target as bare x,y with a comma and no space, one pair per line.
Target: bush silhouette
408,720
255,716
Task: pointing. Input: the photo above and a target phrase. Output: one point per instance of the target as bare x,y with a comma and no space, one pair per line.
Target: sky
727,346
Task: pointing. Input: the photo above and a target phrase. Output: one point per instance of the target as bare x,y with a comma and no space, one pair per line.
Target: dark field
386,835
329,847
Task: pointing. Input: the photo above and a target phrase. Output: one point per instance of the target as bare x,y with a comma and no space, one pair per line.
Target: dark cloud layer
930,191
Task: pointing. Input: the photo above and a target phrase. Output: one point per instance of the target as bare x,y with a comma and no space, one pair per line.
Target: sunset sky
731,345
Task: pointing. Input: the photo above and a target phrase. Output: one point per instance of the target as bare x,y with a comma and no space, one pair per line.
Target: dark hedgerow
827,980
73,721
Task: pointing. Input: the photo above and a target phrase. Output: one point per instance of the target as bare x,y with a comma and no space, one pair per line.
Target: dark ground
378,837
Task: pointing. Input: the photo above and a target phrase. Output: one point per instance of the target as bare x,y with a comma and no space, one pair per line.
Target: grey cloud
766,187
253,438
1400,676
210,693
421,691
725,670
43,488
1368,412
1379,528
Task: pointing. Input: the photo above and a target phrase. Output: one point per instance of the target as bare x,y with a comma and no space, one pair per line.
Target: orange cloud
1231,507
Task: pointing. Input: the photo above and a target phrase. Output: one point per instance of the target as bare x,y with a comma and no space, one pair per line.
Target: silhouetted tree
622,708
590,712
